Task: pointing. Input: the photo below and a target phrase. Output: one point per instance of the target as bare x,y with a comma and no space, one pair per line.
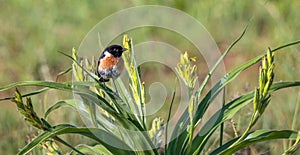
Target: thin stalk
286,45
295,116
168,119
191,131
143,107
204,83
68,145
222,124
254,118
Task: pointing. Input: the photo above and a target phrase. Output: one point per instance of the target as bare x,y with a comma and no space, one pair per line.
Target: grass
113,115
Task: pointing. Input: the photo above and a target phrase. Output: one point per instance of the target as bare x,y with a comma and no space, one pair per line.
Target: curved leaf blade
97,149
59,104
87,132
255,137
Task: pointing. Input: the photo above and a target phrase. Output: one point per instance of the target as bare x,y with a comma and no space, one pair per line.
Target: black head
115,50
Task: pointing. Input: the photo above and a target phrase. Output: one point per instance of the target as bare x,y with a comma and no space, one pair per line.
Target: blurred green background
31,33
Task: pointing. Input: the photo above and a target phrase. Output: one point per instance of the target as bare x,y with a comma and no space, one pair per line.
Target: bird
110,64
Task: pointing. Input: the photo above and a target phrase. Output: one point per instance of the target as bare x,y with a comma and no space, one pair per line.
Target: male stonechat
110,63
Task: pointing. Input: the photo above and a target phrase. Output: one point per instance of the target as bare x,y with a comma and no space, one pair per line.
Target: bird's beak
124,49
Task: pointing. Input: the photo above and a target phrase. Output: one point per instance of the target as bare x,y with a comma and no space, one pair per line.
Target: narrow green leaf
293,148
222,125
67,144
63,72
87,132
55,85
204,83
169,116
59,104
28,94
255,137
92,75
97,149
126,97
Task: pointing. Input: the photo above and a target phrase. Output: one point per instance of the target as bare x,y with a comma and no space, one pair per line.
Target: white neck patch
107,54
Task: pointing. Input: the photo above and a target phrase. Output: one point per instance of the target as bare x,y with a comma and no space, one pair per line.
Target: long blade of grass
293,148
61,86
126,97
208,76
66,86
63,73
68,145
87,132
169,116
92,75
97,149
297,106
255,137
59,104
222,125
228,112
28,94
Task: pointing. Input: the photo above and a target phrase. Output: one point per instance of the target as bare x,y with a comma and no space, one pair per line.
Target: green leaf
293,148
59,104
92,75
87,132
26,95
204,83
97,149
63,72
169,116
67,144
126,97
255,137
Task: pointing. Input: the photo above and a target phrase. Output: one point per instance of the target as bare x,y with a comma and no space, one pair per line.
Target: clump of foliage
114,116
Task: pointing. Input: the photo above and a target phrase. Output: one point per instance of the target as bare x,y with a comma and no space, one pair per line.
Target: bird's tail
103,80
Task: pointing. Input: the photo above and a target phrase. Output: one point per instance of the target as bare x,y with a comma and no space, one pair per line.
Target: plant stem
191,131
222,125
169,116
295,116
254,118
